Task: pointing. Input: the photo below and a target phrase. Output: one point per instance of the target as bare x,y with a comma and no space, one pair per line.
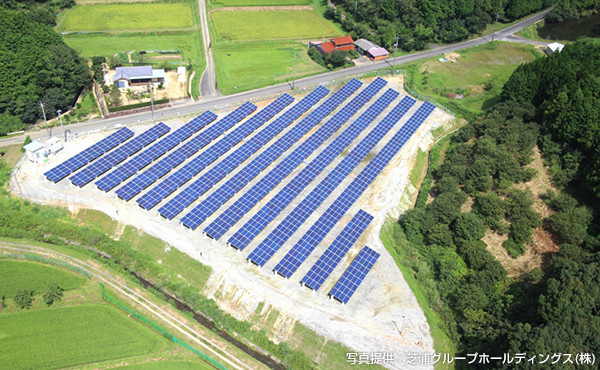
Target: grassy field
189,269
96,218
70,336
169,364
479,74
272,25
113,17
34,276
223,3
245,66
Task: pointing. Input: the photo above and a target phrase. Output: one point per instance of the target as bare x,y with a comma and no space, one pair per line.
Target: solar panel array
245,203
300,251
231,162
216,200
118,155
193,167
88,155
275,206
145,179
321,270
354,275
300,214
123,172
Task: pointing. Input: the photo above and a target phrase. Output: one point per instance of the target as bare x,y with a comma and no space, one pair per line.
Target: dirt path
261,8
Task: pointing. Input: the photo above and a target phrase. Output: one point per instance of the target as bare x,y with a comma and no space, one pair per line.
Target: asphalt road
208,82
206,103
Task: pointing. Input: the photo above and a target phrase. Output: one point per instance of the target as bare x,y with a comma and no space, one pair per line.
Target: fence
159,329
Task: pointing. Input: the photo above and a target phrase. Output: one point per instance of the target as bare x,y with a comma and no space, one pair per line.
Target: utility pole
355,6
494,33
396,49
152,99
61,124
294,72
46,122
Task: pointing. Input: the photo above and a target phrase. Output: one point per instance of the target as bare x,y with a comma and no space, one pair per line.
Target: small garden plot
141,16
272,25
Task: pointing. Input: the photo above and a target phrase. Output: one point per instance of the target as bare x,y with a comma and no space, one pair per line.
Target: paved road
198,340
208,82
206,103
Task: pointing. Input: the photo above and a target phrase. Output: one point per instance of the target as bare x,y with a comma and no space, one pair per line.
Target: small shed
54,145
370,49
378,53
181,74
555,47
363,45
36,151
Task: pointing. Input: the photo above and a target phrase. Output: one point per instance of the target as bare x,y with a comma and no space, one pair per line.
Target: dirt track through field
261,8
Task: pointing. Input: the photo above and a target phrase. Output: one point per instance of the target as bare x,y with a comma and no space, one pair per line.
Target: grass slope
147,16
34,276
248,66
71,336
272,25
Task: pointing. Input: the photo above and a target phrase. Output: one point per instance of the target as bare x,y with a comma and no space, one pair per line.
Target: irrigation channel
190,333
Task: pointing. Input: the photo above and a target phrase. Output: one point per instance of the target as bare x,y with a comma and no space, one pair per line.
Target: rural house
135,76
338,43
371,50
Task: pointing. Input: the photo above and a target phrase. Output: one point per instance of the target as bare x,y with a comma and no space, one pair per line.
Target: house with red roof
338,43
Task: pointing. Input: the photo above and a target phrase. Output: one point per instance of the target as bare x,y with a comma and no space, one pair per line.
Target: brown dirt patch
539,185
468,205
261,8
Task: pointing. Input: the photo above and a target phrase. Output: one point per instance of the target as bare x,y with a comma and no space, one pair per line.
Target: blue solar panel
269,212
296,218
245,203
158,170
337,250
193,167
123,172
207,180
216,200
118,155
342,204
354,275
76,162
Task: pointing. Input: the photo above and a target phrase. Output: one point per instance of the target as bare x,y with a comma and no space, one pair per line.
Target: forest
35,64
552,104
572,9
418,23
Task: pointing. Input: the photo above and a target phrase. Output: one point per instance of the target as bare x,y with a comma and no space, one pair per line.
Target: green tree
53,294
23,298
468,227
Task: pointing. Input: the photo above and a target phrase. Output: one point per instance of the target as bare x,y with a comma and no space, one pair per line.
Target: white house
141,75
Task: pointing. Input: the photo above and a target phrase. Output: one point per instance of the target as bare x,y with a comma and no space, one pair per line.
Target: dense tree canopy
35,66
420,22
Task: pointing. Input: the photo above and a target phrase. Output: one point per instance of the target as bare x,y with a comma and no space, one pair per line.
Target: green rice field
16,275
108,45
138,16
247,66
220,3
272,25
71,336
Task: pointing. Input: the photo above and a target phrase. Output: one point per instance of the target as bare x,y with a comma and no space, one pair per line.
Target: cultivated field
71,336
34,276
250,65
108,45
220,3
114,17
272,25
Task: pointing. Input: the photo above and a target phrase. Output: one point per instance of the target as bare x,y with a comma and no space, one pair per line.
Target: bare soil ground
365,324
542,244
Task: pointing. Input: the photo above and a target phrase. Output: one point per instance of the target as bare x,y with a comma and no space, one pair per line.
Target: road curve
207,103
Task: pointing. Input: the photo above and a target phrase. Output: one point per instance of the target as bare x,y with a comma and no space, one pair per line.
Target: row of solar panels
260,255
